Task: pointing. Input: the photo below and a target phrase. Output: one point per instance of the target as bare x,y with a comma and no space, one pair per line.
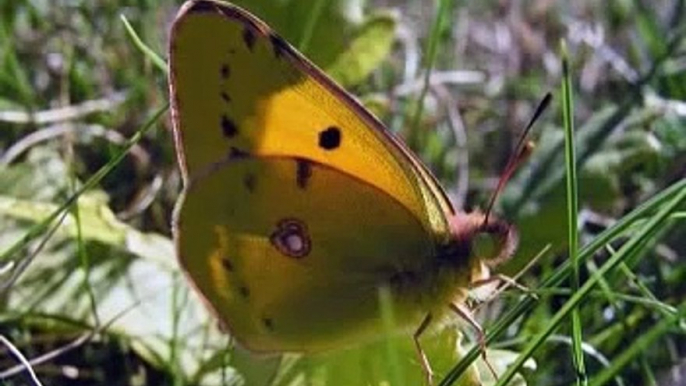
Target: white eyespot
295,242
291,238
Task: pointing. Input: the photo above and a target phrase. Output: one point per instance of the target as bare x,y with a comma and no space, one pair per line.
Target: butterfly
298,204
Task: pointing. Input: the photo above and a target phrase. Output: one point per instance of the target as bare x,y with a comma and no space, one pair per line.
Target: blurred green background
95,296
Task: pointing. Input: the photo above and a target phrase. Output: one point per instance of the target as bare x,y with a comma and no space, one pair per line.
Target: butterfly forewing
237,88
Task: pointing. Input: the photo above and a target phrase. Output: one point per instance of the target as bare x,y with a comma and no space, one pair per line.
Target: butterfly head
488,240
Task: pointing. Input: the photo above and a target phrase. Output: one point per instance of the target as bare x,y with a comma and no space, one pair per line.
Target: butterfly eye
485,245
495,242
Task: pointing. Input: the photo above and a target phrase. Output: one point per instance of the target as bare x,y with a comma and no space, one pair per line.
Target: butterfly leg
509,282
420,352
466,314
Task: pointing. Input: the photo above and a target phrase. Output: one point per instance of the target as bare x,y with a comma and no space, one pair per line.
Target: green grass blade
430,59
84,257
147,51
629,249
389,323
639,346
563,272
572,211
308,31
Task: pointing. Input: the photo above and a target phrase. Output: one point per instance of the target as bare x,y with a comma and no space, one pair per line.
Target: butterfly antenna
523,149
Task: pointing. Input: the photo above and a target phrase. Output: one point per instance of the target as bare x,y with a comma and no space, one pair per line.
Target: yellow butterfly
298,204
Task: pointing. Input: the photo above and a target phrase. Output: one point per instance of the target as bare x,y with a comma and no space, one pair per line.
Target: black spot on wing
229,128
236,153
249,182
203,7
227,264
244,291
268,323
225,71
279,45
249,38
225,96
303,172
330,138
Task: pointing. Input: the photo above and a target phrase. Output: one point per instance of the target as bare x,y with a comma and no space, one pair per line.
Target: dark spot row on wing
279,45
226,10
244,291
225,71
249,38
249,181
303,172
236,153
229,127
227,264
204,7
329,138
253,27
229,269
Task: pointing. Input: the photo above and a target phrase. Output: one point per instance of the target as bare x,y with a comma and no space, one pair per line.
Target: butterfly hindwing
269,244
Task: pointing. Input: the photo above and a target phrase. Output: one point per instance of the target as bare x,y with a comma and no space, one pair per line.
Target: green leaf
370,46
338,39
